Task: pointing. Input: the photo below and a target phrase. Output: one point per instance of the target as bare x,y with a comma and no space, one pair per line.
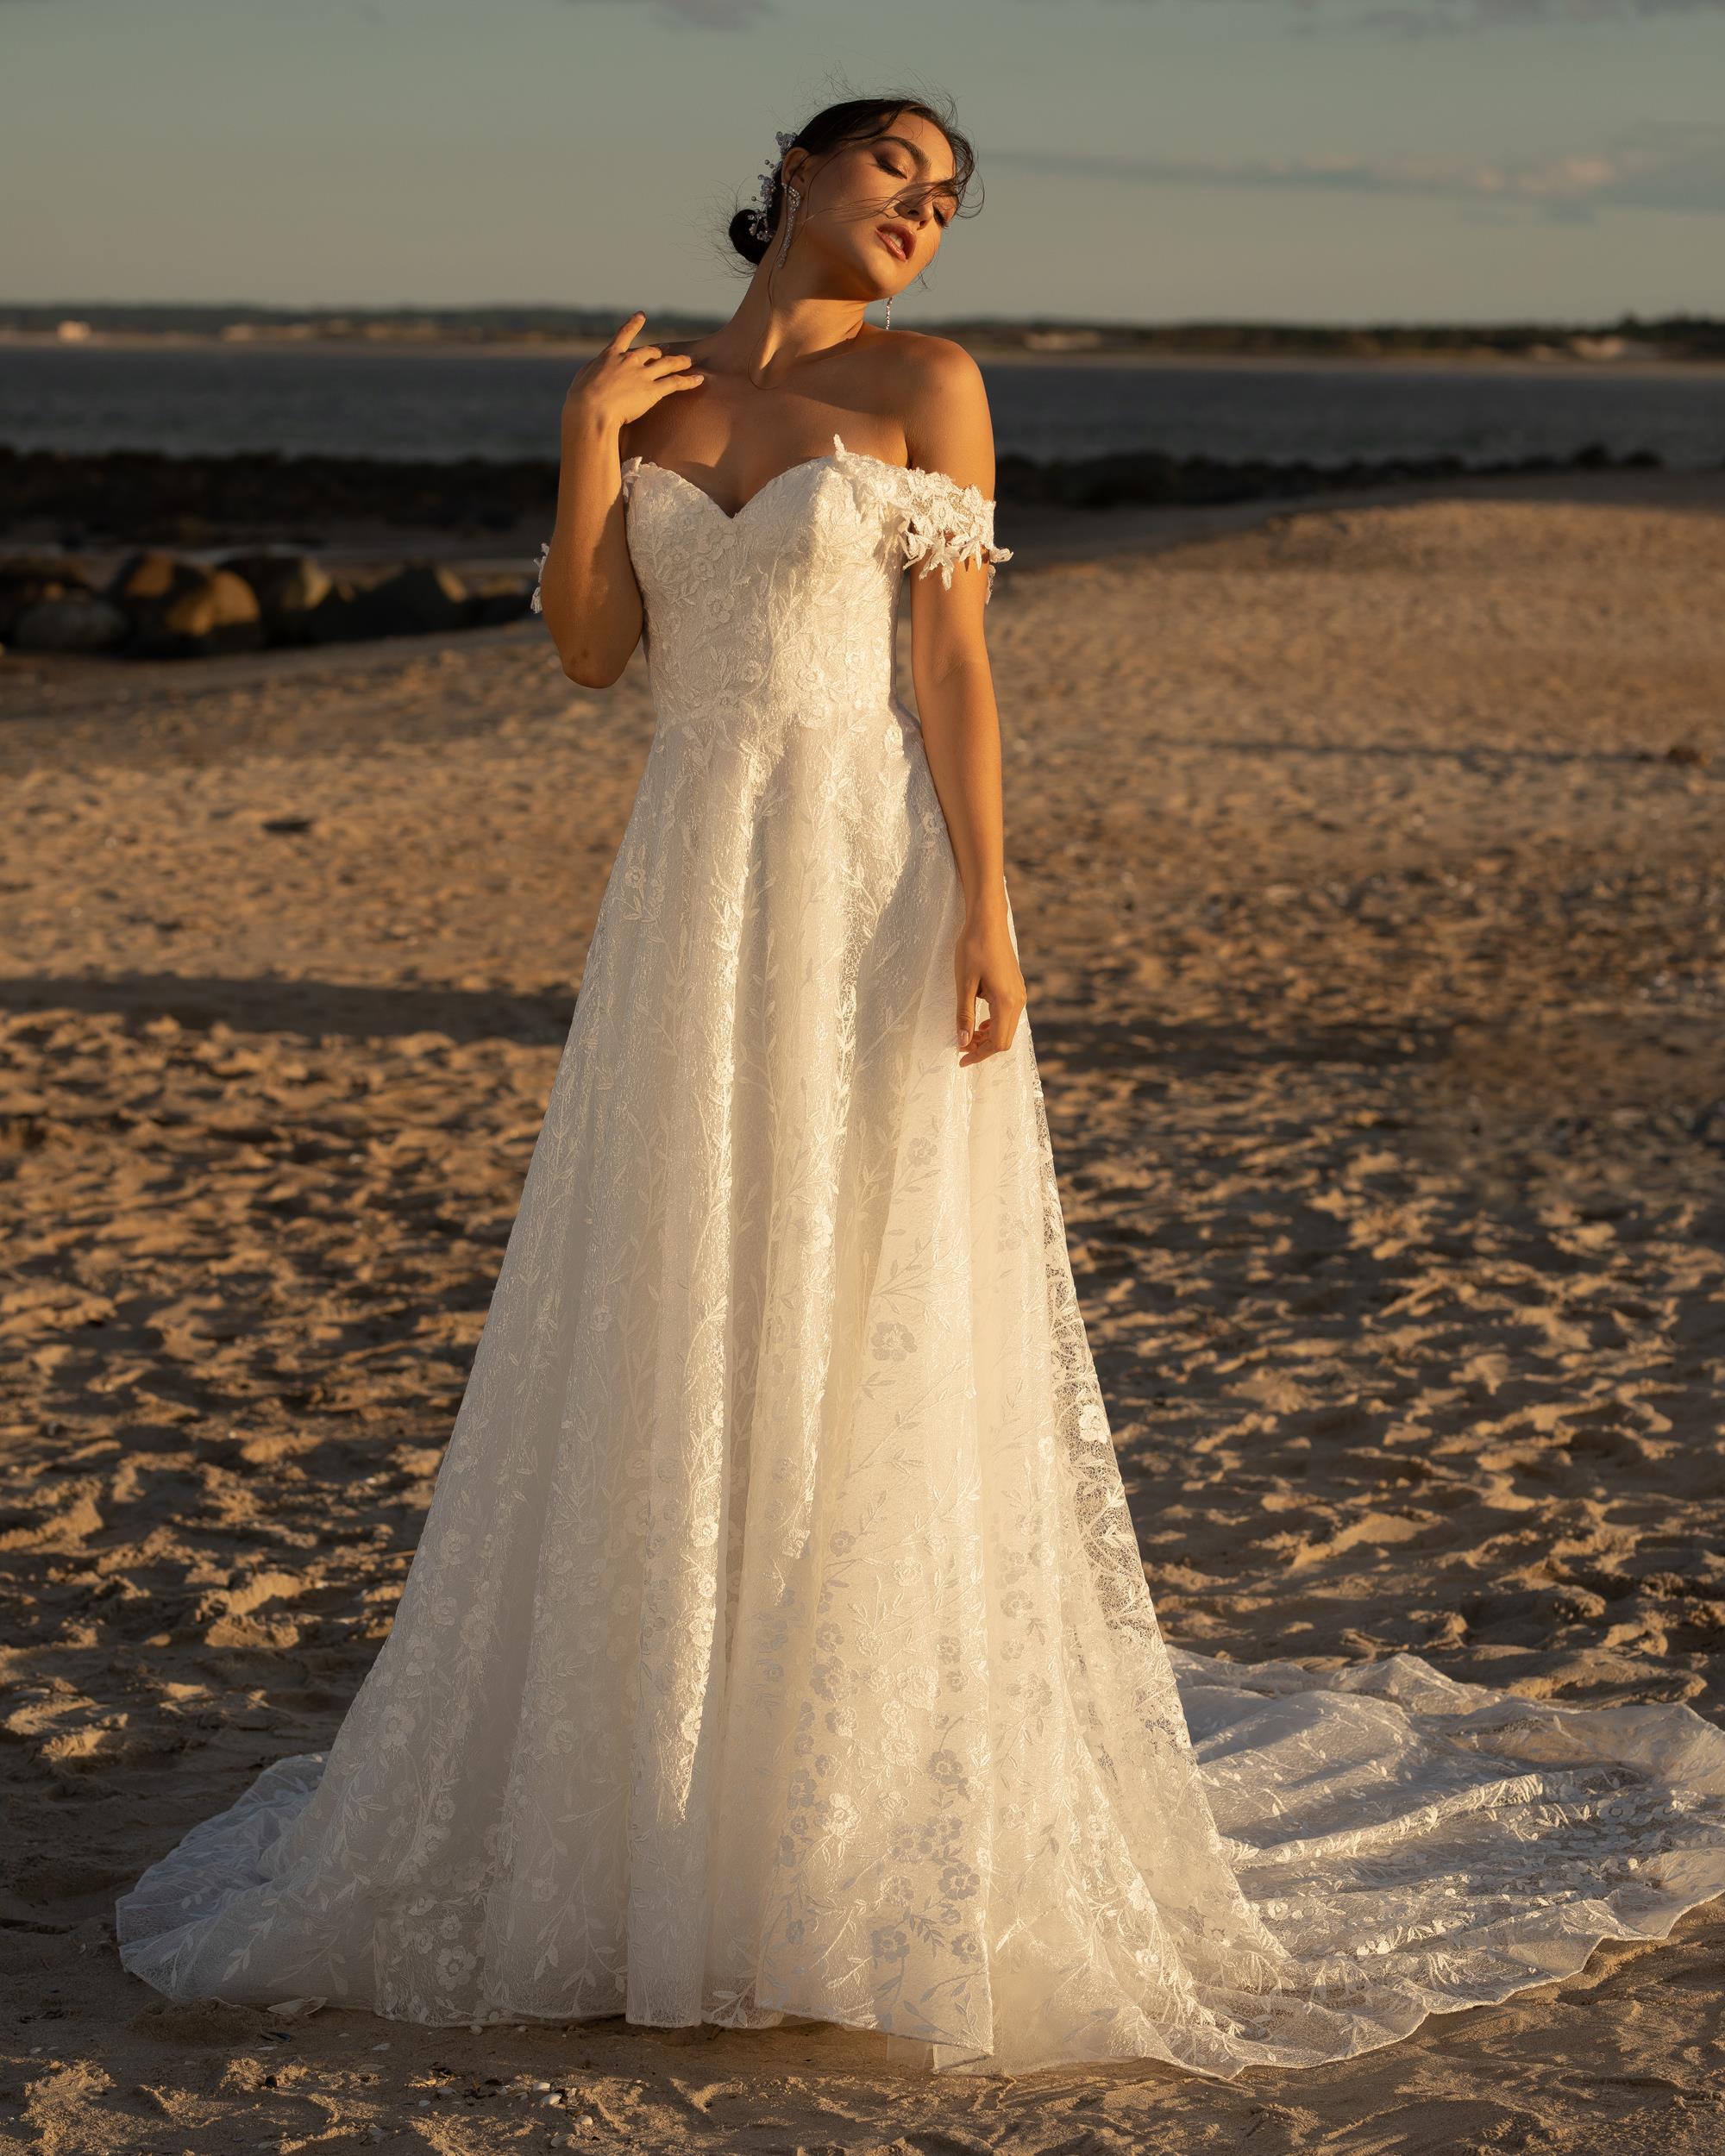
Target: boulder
423,598
219,613
496,599
287,586
337,617
75,621
25,579
183,610
145,580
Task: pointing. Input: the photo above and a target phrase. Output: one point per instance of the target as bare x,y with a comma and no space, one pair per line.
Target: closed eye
887,166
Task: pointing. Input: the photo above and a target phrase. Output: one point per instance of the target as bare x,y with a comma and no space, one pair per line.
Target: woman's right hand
617,384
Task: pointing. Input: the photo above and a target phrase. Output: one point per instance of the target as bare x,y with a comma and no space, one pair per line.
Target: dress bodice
788,610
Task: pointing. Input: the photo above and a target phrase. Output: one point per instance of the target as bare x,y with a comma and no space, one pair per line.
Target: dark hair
856,119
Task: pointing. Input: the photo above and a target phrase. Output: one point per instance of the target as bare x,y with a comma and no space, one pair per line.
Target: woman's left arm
949,430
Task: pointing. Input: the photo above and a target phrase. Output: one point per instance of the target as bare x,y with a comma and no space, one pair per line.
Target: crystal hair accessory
760,222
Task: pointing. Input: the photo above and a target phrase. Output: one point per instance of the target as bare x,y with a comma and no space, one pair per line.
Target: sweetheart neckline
920,546
803,464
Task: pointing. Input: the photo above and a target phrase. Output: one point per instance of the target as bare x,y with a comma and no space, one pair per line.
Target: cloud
1654,168
705,14
1427,17
1420,15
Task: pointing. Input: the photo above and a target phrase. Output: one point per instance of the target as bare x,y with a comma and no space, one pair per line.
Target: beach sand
1367,869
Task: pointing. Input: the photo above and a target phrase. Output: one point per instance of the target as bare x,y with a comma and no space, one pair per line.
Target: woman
777,1641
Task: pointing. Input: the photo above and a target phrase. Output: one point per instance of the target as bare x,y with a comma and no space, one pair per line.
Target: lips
897,241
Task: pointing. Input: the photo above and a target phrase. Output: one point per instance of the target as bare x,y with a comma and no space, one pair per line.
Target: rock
498,598
144,587
147,579
79,621
334,619
25,579
420,599
221,607
182,609
287,587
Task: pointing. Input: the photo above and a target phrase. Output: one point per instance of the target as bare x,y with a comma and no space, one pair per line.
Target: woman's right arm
587,591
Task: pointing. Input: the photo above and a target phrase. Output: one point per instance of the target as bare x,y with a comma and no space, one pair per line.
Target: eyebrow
919,158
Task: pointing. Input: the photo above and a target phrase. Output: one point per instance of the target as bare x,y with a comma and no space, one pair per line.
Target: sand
1368,876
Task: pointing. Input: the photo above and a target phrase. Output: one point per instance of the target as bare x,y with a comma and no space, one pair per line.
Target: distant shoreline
1430,359
102,500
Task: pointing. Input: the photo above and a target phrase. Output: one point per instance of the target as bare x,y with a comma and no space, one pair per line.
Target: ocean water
504,404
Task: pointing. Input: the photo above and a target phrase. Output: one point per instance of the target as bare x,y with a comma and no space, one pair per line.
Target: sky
1140,161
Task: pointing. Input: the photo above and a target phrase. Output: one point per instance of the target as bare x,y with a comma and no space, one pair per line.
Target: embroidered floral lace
777,1640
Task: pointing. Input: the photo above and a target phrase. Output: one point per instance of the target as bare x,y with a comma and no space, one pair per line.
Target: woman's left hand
986,964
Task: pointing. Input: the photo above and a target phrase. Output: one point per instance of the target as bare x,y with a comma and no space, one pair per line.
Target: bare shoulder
637,435
945,407
927,369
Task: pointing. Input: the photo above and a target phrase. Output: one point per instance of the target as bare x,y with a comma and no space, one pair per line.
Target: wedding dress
777,1642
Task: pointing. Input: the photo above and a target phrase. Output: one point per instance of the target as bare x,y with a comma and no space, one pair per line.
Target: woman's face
877,209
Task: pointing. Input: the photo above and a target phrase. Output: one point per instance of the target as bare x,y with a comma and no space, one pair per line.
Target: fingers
626,330
967,1011
995,1034
664,370
984,1043
678,370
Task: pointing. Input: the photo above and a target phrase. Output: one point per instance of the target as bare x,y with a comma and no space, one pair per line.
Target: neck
782,318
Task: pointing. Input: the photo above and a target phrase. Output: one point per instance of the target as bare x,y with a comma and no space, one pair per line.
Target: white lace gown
777,1642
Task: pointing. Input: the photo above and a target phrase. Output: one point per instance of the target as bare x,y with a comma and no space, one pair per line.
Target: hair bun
742,231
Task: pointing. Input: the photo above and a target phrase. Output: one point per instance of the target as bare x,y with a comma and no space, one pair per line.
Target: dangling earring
790,219
887,324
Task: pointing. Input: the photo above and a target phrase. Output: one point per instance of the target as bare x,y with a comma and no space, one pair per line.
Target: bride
777,1644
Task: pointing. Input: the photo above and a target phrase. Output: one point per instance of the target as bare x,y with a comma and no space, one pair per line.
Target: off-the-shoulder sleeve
632,467
947,524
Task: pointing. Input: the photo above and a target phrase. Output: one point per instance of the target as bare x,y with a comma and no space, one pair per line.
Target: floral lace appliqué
777,1639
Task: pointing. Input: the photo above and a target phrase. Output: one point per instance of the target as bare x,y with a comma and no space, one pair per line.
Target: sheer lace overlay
777,1640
